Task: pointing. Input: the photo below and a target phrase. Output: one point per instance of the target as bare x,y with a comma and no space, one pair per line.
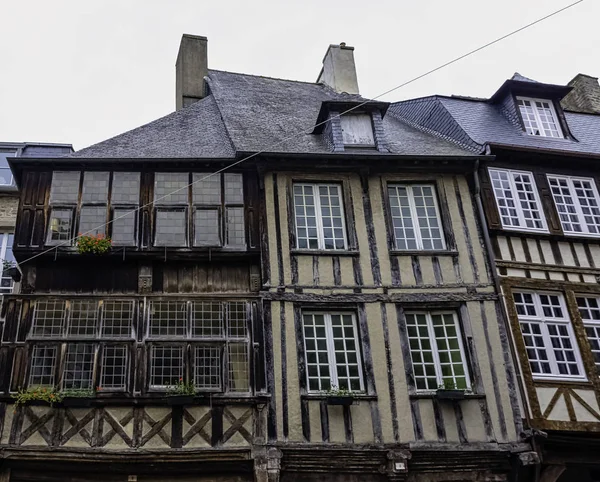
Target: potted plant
9,268
337,396
37,394
78,397
98,244
182,393
449,391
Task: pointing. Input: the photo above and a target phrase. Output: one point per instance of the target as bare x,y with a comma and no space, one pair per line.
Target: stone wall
8,211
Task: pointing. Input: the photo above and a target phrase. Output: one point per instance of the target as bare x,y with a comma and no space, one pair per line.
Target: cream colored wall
460,278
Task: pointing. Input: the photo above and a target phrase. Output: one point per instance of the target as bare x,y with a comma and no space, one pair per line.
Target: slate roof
475,123
248,113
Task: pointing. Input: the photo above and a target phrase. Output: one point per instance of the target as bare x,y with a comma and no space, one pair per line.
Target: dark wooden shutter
489,201
32,215
547,201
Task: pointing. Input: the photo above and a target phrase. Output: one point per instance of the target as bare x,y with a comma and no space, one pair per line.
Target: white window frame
12,177
591,323
513,189
4,237
415,218
334,382
544,321
538,119
319,215
579,211
434,346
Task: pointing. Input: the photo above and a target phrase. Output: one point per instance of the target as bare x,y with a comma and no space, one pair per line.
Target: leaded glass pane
95,187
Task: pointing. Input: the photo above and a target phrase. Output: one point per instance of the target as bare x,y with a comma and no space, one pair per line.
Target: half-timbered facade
539,196
321,304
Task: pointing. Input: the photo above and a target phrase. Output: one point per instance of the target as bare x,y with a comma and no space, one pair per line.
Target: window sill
552,381
323,396
433,394
423,252
325,252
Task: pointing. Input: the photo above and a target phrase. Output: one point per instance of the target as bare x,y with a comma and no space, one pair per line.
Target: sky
80,72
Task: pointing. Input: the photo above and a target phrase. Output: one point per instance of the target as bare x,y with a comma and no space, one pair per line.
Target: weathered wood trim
460,423
324,411
278,231
368,213
348,432
337,273
438,417
284,370
390,372
291,218
497,395
416,267
270,366
304,407
379,297
487,420
316,275
466,232
437,270
263,227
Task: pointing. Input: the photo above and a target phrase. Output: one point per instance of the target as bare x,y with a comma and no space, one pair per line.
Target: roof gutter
558,152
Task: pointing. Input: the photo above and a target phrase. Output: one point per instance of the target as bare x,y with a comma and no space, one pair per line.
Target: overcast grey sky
83,71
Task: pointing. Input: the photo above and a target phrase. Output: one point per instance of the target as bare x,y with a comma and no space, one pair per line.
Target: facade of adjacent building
330,300
540,199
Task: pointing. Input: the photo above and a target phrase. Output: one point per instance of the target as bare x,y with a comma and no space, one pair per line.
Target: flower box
180,399
77,402
343,400
443,394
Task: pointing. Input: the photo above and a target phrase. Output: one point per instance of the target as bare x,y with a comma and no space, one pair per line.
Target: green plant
182,388
448,384
98,244
78,393
335,391
48,395
6,265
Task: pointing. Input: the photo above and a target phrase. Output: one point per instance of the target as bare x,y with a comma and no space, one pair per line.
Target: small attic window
539,117
357,130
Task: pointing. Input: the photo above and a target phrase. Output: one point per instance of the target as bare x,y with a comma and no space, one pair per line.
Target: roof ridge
318,84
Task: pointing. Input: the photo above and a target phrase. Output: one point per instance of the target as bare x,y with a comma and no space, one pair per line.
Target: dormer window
357,130
539,117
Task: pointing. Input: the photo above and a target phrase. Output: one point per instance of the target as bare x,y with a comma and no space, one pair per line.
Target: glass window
332,352
207,227
43,362
65,187
436,350
95,187
518,201
6,177
548,335
126,188
357,130
8,262
117,317
207,319
115,362
79,367
171,227
92,220
589,309
319,213
207,367
415,217
61,223
83,319
577,203
123,227
168,319
48,317
166,365
171,188
539,117
125,198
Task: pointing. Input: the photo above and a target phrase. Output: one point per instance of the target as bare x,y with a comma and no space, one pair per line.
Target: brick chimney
339,71
585,96
190,70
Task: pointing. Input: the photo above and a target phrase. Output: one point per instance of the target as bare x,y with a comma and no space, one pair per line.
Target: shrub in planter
32,394
98,244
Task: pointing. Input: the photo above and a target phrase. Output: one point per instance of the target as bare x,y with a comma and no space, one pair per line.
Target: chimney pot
190,70
339,70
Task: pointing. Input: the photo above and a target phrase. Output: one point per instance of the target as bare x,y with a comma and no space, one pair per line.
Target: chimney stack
190,70
339,71
585,96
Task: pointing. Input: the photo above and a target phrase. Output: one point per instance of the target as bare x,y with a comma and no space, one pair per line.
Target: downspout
496,279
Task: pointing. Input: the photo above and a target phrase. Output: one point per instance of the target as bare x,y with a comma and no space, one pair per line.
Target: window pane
449,350
65,187
421,352
235,227
83,318
207,367
588,203
565,204
357,129
48,318
6,178
239,380
206,188
234,188
166,365
402,221
168,318
126,188
171,227
114,368
527,200
428,219
332,217
79,365
547,118
43,361
207,227
207,319
317,357
60,225
171,188
123,227
92,220
237,316
116,319
346,352
95,187
6,281
306,217
528,115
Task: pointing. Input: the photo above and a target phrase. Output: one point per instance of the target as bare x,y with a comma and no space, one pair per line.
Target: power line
311,128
